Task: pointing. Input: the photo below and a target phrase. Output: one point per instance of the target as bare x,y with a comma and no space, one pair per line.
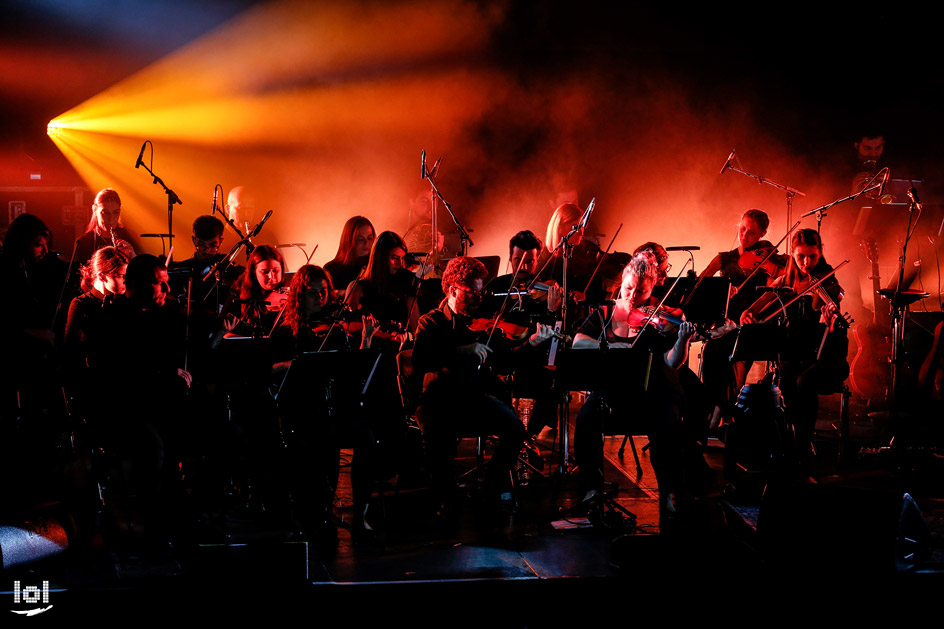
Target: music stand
340,375
606,372
705,299
758,341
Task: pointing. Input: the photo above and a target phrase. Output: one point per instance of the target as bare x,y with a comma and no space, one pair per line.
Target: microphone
435,170
255,232
216,196
780,290
141,155
727,162
423,165
683,248
586,215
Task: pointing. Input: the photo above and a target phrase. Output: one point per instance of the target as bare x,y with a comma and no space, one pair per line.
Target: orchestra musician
137,359
722,378
310,325
543,299
105,228
357,239
697,401
385,290
102,278
458,394
259,291
662,260
240,209
32,280
541,304
659,407
803,377
207,238
311,313
582,263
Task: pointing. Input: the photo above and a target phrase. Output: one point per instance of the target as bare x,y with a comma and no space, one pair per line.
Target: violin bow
501,311
809,289
602,258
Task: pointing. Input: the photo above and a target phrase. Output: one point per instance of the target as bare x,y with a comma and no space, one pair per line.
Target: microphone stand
246,240
221,265
163,244
791,192
568,251
172,198
901,299
465,241
820,212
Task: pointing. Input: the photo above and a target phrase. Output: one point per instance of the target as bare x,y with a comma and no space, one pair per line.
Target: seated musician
357,239
802,377
310,324
257,295
723,378
697,400
541,303
138,358
243,373
102,277
457,394
311,314
32,280
581,265
544,299
659,407
207,239
385,291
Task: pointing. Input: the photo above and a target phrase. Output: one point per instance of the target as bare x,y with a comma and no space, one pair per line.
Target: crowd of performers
254,377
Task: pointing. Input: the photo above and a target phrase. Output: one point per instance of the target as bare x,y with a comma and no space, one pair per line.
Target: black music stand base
603,510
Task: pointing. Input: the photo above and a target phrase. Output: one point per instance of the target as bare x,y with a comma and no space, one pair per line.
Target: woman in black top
659,406
259,292
803,376
357,239
105,228
722,378
386,290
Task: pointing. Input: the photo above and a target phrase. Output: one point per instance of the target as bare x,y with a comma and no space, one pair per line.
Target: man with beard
459,392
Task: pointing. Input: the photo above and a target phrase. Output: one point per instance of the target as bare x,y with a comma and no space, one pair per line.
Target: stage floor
831,526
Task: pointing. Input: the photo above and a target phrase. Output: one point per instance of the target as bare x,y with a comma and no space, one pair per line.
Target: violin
275,300
504,329
810,284
765,260
507,330
663,320
815,286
